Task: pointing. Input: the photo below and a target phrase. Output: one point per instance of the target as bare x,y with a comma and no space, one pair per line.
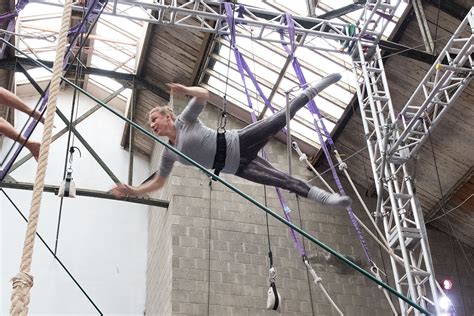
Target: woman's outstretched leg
261,171
253,137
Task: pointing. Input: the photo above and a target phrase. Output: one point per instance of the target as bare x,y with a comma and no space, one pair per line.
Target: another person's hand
122,190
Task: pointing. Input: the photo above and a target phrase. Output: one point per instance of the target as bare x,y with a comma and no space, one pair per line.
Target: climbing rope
23,281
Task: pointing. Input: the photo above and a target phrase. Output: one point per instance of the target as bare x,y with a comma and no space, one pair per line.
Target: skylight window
112,46
267,59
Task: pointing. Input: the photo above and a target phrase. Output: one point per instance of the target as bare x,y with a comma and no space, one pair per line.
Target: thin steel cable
53,254
209,251
70,137
442,203
451,210
303,240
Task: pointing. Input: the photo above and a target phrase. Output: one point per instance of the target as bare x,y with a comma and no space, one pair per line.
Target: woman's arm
201,94
122,190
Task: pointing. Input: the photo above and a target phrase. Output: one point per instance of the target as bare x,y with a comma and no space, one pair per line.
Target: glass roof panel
315,64
113,44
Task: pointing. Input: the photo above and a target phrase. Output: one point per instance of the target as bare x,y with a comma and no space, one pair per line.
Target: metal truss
438,90
391,148
207,16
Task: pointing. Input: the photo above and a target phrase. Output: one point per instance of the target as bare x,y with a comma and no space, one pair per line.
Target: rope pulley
68,187
273,297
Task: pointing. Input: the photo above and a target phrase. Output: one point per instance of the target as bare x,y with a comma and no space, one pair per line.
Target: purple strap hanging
9,17
242,65
315,111
92,13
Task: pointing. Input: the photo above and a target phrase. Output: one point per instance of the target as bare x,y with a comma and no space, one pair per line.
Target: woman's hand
182,90
123,190
177,89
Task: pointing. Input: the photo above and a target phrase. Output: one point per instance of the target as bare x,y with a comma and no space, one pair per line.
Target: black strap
275,293
67,185
221,151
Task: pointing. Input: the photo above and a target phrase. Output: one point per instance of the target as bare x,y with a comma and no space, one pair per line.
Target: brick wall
159,270
232,278
208,251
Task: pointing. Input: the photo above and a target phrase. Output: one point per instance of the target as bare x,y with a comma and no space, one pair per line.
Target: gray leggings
253,137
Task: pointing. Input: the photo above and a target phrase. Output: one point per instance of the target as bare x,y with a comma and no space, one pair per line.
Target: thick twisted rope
23,281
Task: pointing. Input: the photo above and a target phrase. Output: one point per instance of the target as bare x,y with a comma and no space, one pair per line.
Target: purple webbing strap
311,104
92,11
9,16
241,65
314,110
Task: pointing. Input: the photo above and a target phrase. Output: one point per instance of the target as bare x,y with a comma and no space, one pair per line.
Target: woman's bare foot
34,148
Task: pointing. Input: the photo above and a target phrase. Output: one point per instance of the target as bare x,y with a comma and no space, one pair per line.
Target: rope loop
22,280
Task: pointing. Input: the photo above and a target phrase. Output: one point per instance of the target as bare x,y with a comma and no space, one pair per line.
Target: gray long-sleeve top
198,142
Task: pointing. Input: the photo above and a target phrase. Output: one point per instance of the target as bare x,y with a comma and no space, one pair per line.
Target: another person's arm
9,99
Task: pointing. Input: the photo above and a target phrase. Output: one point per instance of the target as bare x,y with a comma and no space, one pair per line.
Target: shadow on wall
324,257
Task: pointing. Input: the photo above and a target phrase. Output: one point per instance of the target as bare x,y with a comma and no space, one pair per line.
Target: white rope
318,281
376,271
343,167
23,281
50,38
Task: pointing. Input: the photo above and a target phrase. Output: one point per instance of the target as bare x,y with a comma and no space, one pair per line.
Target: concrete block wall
219,246
158,275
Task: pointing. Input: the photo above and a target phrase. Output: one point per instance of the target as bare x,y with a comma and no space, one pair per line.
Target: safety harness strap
221,151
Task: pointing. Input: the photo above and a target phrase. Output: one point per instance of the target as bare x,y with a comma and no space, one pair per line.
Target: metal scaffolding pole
423,24
397,139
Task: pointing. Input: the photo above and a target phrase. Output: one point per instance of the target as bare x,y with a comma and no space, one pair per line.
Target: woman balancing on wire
237,155
9,99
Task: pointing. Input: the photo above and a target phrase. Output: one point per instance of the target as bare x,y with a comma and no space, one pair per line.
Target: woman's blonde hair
163,110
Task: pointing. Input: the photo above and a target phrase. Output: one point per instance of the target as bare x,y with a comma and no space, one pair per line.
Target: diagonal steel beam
88,147
77,121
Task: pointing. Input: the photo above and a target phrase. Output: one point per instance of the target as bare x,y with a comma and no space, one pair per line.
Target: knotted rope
23,281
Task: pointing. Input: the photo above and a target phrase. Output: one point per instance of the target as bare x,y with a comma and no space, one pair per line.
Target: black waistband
221,150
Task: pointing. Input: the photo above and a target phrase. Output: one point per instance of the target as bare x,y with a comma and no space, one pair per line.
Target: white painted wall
102,243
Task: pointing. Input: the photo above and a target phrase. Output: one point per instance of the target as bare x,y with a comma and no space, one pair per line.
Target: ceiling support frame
423,24
394,139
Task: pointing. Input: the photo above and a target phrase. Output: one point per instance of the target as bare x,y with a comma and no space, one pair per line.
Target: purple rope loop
94,11
242,66
317,122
